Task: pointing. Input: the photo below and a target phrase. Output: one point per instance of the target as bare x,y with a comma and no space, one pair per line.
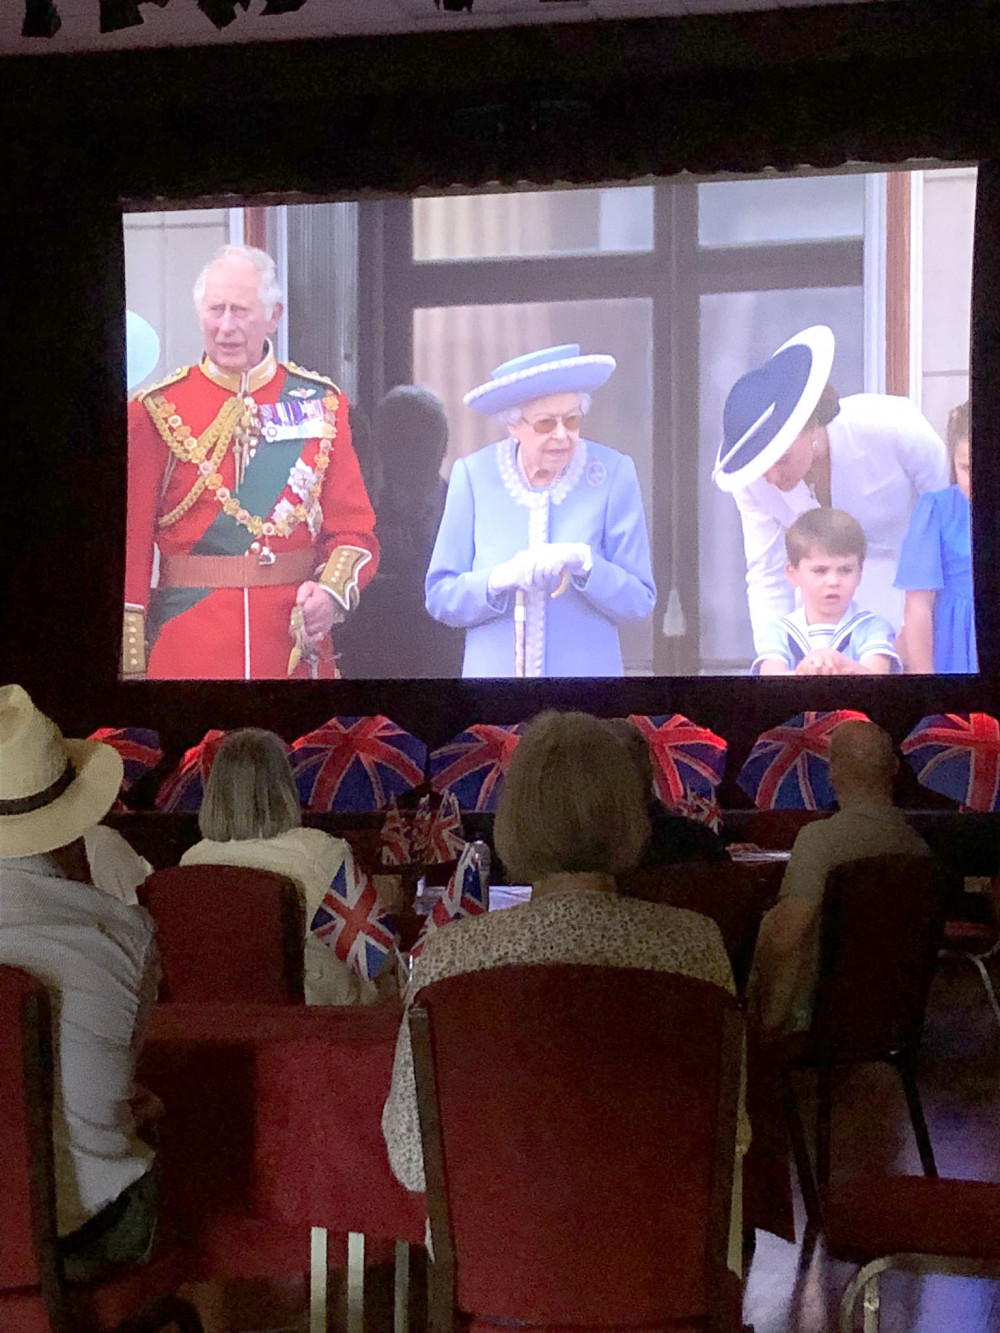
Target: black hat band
24,805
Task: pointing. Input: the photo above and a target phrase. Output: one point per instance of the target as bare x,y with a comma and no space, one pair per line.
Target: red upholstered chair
579,1130
227,935
913,1223
881,927
34,1298
733,895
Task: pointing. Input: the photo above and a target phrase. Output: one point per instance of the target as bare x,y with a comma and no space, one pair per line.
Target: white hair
268,289
512,415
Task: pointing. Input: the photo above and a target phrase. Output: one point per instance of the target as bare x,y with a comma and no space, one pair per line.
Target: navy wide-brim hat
768,407
537,374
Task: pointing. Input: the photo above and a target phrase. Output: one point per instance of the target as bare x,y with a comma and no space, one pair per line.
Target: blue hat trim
551,370
769,406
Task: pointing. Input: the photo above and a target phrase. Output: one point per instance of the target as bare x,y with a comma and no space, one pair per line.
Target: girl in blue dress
935,569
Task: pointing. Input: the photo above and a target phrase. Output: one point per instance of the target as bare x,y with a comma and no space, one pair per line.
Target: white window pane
759,212
538,223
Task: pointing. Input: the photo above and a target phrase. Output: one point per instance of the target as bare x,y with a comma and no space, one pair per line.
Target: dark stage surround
583,104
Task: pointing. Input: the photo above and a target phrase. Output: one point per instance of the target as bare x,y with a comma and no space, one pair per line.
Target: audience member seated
250,816
863,766
97,957
571,817
672,837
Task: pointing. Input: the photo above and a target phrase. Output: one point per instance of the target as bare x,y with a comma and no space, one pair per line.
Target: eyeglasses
546,425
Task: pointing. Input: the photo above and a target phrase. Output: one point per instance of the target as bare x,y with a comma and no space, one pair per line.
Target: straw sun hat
51,789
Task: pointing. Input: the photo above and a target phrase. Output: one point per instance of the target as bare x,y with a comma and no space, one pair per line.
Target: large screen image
668,429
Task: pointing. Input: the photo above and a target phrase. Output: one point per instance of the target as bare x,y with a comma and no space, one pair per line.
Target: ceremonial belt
236,571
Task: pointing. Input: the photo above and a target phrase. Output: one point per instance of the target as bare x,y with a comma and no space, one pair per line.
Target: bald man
863,767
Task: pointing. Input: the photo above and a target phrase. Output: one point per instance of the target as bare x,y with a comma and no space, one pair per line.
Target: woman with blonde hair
572,817
250,816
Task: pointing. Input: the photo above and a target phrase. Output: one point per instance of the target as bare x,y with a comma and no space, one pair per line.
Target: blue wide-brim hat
142,348
768,407
537,374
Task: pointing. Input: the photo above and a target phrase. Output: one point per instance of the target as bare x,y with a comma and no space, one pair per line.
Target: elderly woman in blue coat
543,525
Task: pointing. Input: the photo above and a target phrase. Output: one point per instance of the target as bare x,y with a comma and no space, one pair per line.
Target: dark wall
876,83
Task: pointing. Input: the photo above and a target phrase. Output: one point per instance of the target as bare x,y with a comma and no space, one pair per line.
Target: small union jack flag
472,765
356,763
437,834
789,766
353,923
185,787
394,838
702,809
467,894
688,760
957,755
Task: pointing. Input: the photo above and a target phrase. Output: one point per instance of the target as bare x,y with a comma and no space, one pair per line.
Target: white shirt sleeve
115,868
921,454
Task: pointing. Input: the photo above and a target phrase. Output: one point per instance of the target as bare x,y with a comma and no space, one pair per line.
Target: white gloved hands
541,567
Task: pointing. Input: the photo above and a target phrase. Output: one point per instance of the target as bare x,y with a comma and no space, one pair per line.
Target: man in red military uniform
242,475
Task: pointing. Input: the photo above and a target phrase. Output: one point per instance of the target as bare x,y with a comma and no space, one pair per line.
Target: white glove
517,572
574,556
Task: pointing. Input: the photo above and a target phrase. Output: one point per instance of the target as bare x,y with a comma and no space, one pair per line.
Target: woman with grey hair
572,817
542,553
250,816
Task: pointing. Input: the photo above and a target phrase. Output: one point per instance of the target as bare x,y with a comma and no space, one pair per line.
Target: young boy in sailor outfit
828,634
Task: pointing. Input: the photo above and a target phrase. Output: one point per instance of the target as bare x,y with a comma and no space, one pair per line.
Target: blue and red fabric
139,748
467,894
184,788
789,765
688,760
356,763
394,837
353,923
702,809
957,755
437,833
472,765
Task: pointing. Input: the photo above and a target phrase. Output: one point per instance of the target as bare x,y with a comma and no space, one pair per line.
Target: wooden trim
897,283
441,1272
255,227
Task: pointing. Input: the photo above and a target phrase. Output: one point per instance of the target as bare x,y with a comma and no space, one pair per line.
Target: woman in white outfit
250,816
789,444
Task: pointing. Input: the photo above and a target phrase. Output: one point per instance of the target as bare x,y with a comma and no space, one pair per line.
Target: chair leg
865,1281
824,1102
987,981
913,1102
871,1305
800,1153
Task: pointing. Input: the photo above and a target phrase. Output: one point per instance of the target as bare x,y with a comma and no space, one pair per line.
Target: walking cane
519,614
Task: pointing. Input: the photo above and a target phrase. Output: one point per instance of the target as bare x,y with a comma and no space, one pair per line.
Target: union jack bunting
437,834
394,838
138,746
789,765
957,755
472,765
352,922
688,760
703,809
184,788
467,894
356,763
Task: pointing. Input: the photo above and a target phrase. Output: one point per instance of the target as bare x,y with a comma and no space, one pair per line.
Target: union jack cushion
139,748
688,764
472,765
789,766
467,893
394,838
356,763
184,788
957,755
352,922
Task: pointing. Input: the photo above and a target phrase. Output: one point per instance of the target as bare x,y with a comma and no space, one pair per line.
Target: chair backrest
579,1127
227,934
30,1291
881,927
732,895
